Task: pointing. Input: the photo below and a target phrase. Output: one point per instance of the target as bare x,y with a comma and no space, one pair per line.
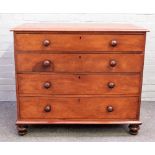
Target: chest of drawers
78,74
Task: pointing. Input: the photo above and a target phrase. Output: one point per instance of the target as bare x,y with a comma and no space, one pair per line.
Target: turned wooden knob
46,42
47,85
46,63
111,85
113,63
113,43
47,108
110,108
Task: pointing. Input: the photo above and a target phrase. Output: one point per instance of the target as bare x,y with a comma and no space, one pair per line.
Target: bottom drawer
78,108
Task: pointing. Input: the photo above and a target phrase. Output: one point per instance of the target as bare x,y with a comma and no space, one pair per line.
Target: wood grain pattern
78,42
83,74
83,108
77,121
48,27
79,63
78,84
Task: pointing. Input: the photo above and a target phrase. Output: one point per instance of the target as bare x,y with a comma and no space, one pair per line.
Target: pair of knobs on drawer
47,43
48,108
48,85
47,63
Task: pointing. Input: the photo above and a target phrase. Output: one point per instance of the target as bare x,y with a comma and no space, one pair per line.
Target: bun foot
22,130
133,129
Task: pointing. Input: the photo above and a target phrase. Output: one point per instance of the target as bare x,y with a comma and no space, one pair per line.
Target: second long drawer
79,62
45,84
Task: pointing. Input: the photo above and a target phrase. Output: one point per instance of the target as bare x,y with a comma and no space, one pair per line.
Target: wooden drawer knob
47,85
111,85
46,42
47,108
113,43
110,108
113,63
46,63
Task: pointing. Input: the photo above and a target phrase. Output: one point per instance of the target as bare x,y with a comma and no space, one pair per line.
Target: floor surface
76,133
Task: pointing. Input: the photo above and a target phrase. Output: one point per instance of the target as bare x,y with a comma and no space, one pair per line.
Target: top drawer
79,42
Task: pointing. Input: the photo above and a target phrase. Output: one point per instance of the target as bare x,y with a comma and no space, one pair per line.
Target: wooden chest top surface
79,27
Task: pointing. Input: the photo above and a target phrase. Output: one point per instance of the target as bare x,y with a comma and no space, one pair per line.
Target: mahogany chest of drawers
78,74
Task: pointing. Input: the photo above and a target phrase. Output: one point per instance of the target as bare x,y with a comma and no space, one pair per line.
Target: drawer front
79,42
78,84
104,108
79,62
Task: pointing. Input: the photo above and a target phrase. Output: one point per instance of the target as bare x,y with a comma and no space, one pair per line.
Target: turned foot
22,129
133,129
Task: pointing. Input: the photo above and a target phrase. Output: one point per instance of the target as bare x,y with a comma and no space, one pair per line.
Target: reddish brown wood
77,121
83,108
46,63
134,128
113,63
79,62
22,129
46,43
47,108
79,42
114,43
79,84
79,74
111,85
110,108
47,84
35,27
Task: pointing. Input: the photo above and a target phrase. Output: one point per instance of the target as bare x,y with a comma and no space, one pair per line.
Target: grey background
7,21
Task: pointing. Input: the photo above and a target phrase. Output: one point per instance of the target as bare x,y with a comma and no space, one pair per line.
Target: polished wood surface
35,27
78,42
77,121
80,108
79,74
79,63
78,84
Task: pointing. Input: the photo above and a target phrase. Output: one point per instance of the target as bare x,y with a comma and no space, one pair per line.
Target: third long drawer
45,84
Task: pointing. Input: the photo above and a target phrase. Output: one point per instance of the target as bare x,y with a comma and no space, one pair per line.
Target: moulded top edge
79,27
